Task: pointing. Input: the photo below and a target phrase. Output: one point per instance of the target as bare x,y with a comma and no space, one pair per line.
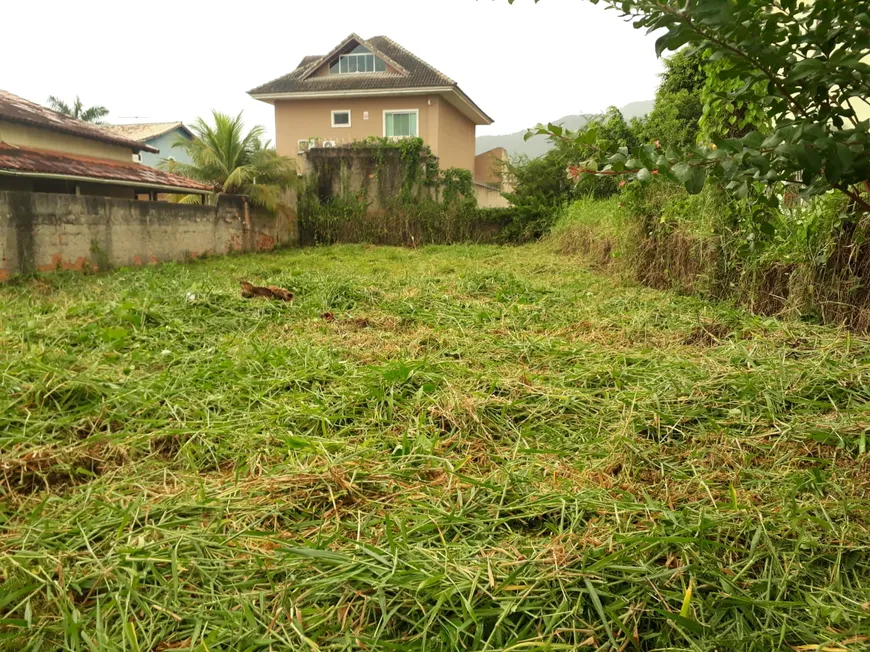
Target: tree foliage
685,71
541,186
729,110
77,110
802,62
613,131
678,106
238,163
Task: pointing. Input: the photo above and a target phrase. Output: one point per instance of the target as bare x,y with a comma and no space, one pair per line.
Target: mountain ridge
517,145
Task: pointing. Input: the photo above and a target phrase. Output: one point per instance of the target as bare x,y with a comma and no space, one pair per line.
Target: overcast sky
160,60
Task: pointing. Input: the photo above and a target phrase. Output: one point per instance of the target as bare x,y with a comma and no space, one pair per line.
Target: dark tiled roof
36,161
17,109
419,73
307,61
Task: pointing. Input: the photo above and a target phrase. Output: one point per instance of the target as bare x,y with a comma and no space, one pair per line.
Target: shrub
542,187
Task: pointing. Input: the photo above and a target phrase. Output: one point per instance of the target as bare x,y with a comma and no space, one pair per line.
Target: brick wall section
45,232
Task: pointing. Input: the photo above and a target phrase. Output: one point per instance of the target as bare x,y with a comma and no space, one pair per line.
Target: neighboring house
373,87
45,151
160,135
489,167
491,178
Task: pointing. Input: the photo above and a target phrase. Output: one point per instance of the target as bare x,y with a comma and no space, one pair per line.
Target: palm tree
94,114
238,163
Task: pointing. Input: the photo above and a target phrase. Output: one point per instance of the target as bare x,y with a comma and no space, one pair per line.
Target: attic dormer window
360,59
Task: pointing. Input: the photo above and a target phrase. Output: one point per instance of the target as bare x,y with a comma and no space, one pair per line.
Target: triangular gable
353,38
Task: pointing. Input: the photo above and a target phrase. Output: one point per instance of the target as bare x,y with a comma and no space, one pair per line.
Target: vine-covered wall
388,192
375,173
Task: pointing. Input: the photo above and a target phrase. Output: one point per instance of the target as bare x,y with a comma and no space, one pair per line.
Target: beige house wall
433,132
297,120
455,139
449,133
39,138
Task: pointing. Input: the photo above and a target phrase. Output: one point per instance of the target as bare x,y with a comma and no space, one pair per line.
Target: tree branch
854,196
739,53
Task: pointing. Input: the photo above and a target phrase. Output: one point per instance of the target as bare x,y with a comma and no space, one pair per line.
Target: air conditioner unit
328,143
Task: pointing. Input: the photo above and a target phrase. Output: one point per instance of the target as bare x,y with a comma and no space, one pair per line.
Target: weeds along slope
478,448
813,265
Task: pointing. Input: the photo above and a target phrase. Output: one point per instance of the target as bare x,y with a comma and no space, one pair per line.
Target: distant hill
516,145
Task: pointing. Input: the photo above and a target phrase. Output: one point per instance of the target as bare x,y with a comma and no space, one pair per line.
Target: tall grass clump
400,221
802,259
599,229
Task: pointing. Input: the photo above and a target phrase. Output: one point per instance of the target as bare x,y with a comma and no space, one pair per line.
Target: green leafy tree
77,110
540,188
685,70
679,107
802,61
613,131
608,132
728,109
238,163
541,184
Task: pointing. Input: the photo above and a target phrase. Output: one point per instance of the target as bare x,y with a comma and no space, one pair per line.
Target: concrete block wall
45,232
378,174
488,197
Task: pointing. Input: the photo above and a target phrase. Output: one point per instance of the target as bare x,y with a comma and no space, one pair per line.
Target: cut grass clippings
452,448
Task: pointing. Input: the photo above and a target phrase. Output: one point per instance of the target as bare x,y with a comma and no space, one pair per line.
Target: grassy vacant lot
485,449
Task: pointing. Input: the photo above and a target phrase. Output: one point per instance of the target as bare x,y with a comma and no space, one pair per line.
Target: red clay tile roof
17,109
43,162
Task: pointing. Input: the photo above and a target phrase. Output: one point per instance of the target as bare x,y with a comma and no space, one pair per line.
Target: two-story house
373,87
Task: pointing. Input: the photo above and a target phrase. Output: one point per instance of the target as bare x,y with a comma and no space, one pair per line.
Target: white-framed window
402,123
350,63
359,60
341,118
